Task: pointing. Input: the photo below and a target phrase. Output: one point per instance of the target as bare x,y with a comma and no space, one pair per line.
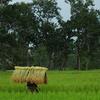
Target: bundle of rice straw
34,74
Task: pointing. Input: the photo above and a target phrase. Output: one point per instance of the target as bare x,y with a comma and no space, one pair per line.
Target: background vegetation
35,34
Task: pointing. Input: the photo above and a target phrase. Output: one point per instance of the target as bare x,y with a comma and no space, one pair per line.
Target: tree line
35,34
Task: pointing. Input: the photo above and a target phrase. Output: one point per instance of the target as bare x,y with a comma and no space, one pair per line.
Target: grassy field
62,85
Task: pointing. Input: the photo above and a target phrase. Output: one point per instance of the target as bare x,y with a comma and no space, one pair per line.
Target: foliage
84,25
35,34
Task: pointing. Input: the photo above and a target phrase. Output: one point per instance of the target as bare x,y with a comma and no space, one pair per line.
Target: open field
62,85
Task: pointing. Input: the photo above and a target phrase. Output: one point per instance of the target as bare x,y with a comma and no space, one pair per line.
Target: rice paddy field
62,85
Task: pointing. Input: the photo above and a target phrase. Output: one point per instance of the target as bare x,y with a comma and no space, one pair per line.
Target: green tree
18,25
85,25
47,11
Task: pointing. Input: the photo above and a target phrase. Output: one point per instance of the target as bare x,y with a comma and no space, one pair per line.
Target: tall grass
62,85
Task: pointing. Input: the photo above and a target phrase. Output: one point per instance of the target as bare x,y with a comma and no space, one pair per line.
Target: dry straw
34,74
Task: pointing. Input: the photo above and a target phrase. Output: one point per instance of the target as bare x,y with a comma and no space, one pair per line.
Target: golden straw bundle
32,74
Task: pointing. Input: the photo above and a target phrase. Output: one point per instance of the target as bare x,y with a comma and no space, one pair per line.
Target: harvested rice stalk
29,74
26,74
16,74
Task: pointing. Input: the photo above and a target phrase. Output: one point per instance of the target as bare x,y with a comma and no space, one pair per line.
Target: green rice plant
62,85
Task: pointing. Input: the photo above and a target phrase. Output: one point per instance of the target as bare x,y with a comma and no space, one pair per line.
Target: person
32,87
